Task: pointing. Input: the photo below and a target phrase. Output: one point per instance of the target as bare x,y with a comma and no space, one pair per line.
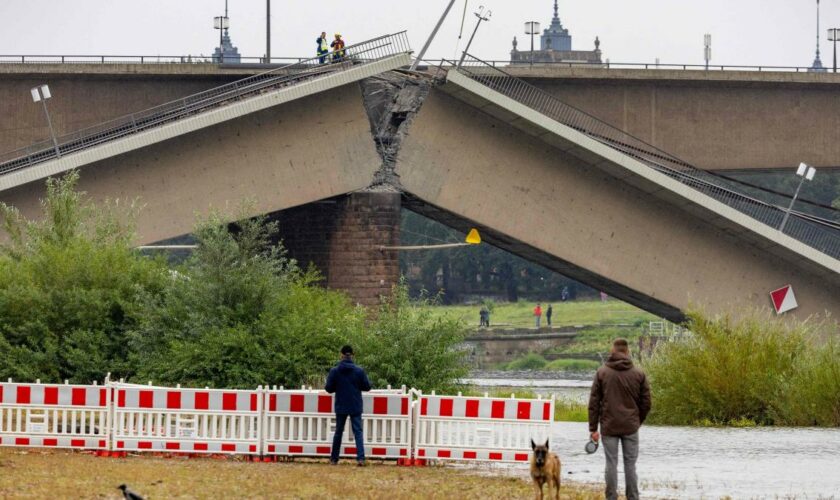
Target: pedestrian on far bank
619,401
347,381
483,317
537,314
323,47
548,313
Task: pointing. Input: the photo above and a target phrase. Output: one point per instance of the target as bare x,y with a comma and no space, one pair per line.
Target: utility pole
268,31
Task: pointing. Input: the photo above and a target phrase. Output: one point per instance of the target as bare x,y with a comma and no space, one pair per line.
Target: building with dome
556,47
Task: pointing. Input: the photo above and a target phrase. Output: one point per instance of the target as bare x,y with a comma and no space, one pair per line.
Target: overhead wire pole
432,36
268,31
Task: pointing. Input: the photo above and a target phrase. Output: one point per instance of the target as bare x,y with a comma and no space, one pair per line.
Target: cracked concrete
392,101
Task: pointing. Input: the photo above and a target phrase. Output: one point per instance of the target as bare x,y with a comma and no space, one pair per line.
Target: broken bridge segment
203,110
643,166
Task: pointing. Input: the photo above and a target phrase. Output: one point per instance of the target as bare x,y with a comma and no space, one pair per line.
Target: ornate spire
556,11
817,64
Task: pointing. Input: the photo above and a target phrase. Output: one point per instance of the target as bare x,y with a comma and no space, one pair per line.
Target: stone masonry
343,237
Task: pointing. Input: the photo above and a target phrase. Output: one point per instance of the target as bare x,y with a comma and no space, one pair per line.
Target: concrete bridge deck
532,186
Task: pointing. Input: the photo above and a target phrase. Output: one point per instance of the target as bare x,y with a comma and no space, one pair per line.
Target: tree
239,313
69,287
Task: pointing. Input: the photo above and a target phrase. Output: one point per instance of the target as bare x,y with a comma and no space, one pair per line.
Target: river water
697,463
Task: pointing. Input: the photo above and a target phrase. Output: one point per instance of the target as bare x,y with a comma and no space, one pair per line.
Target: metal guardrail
823,236
507,64
361,53
156,59
210,59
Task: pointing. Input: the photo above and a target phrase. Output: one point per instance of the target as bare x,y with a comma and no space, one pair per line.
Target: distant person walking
338,48
619,401
537,315
548,313
347,381
484,317
323,47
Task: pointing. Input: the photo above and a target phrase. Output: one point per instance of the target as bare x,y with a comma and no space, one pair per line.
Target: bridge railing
821,234
354,55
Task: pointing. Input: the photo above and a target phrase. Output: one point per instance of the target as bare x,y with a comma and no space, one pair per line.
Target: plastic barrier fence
125,417
186,420
55,416
480,428
302,423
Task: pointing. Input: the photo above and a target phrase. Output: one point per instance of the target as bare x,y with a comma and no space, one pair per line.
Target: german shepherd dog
545,468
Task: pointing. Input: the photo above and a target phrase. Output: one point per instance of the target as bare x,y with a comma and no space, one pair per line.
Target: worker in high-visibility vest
338,48
323,47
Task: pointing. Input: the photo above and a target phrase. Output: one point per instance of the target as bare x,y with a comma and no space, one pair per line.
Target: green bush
530,361
758,369
406,344
69,288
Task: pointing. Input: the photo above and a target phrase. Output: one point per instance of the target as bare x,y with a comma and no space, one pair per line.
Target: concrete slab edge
203,120
641,170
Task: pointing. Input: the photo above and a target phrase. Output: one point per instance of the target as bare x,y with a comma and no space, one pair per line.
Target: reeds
756,369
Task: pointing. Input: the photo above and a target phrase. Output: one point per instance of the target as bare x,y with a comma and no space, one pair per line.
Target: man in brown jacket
620,402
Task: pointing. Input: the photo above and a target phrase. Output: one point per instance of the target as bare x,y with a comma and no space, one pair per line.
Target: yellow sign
473,238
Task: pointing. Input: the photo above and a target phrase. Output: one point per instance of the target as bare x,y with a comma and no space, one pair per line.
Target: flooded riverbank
693,462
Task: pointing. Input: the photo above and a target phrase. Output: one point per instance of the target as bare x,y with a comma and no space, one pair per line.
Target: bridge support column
342,237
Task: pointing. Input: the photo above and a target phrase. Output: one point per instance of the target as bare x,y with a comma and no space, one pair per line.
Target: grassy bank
755,371
579,312
33,474
537,362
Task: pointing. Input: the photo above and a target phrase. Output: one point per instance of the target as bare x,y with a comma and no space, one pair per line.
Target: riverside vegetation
77,302
754,371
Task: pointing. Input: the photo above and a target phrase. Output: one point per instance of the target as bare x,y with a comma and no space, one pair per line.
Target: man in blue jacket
347,381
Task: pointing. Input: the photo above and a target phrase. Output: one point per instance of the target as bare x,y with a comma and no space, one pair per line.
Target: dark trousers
322,57
356,424
630,452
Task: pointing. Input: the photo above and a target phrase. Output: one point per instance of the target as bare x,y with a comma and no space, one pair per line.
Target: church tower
556,37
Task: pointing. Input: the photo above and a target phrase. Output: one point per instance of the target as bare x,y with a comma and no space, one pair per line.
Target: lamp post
807,173
42,93
268,31
482,15
532,28
707,49
833,35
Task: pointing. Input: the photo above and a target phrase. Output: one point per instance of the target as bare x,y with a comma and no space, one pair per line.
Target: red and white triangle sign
783,299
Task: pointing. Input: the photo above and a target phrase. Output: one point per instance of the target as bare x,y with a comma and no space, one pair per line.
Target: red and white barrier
302,423
479,428
186,420
54,416
124,417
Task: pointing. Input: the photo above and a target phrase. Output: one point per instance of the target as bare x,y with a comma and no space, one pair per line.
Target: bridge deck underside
562,211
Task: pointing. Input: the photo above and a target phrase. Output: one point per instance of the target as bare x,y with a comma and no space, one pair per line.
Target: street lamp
833,35
532,28
482,15
807,173
42,93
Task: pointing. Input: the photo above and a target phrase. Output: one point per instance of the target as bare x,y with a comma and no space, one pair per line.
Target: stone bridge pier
343,237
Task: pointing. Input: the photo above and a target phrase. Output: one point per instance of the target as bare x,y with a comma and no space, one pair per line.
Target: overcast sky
748,32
